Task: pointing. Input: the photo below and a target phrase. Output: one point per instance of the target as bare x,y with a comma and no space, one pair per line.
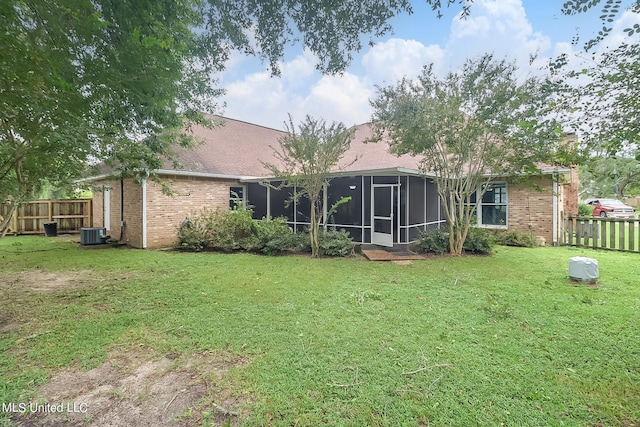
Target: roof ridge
245,122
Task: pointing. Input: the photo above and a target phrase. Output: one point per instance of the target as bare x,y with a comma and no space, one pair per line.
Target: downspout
555,210
123,224
144,214
269,203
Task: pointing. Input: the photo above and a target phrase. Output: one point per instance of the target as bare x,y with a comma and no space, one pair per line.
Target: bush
233,230
435,241
334,243
516,238
218,230
192,235
585,210
479,241
273,236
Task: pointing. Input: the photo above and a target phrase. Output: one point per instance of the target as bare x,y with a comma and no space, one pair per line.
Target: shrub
334,243
230,230
218,230
516,238
479,241
435,241
273,236
192,235
233,230
585,210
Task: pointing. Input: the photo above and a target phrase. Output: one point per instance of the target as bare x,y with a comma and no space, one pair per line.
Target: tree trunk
313,233
6,222
455,248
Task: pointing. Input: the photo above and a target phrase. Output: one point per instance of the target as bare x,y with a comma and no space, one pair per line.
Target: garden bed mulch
384,255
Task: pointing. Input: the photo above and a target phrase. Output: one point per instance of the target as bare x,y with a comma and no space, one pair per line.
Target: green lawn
447,341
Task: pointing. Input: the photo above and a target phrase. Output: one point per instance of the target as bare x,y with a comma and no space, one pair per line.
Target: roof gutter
172,172
367,172
560,171
202,174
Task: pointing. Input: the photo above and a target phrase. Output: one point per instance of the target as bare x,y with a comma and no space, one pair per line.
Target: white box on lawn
583,269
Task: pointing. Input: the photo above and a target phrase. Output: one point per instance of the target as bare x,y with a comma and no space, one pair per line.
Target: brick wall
570,195
166,213
132,213
531,206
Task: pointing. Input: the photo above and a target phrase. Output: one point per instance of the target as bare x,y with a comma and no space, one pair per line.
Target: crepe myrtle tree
469,127
119,82
306,158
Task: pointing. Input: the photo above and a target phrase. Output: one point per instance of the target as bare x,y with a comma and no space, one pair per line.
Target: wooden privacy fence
69,215
618,234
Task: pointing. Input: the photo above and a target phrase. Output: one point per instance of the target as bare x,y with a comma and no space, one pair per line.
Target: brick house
391,200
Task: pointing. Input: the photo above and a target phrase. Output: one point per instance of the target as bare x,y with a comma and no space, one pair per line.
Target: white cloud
495,26
300,90
618,34
258,98
300,69
396,58
342,98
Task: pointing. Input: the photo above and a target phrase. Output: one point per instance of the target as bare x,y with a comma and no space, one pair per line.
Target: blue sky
515,29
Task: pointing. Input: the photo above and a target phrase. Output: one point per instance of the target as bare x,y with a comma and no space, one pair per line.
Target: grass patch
447,341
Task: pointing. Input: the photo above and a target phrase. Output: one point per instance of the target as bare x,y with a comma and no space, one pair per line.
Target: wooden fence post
570,228
89,207
15,222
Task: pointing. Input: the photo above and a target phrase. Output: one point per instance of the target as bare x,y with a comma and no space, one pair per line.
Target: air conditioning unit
93,236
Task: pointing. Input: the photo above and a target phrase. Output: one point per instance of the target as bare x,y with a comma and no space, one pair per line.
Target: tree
84,81
468,128
306,159
602,101
602,96
611,9
332,30
610,177
87,81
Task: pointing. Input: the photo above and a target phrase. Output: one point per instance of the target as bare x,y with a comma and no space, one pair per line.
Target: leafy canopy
601,98
610,11
306,158
118,81
468,128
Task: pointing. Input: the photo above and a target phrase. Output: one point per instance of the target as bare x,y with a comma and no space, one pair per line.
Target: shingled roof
236,148
231,148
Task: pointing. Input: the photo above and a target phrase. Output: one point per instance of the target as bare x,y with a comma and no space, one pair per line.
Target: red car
611,208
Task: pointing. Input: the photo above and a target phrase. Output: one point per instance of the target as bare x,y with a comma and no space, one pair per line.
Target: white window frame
505,204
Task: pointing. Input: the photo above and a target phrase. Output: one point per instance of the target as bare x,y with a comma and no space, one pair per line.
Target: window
492,210
236,197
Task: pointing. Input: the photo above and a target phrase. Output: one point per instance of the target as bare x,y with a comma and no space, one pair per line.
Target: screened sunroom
385,209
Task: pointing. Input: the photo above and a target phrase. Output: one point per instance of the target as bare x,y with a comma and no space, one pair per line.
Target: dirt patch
17,291
48,282
138,391
41,281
